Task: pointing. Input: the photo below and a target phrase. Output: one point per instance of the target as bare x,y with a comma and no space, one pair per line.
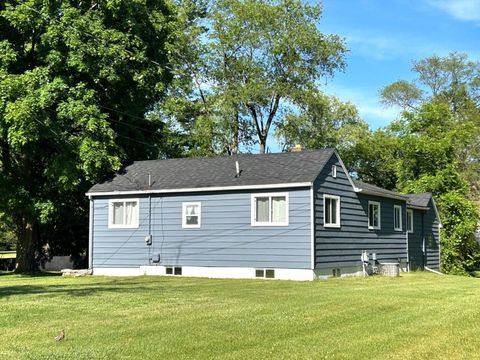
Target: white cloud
381,47
368,104
466,10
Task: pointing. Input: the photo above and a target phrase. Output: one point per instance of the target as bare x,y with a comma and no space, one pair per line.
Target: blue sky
385,36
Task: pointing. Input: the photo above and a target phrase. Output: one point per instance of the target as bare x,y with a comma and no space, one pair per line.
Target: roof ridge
293,153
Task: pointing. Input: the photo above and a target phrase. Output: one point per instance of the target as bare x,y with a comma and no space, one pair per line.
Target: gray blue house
294,215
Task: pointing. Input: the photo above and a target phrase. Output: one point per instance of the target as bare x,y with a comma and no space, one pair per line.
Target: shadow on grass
33,274
113,286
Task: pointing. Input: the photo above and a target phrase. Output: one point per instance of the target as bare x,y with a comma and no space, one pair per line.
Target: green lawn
416,316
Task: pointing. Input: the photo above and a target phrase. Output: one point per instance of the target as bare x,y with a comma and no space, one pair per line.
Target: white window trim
395,207
111,225
269,223
336,225
379,216
184,215
409,211
334,171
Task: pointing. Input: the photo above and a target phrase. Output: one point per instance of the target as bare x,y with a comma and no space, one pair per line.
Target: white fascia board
437,213
203,189
346,172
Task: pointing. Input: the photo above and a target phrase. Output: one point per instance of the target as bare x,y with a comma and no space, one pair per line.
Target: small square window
169,271
270,274
259,273
191,215
177,271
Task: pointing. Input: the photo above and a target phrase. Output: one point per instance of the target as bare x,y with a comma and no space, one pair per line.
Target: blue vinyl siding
342,247
415,241
225,238
432,239
425,233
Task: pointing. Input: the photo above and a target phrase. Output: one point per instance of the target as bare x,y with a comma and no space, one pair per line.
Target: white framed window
397,218
410,221
331,210
374,215
269,209
123,213
334,171
191,214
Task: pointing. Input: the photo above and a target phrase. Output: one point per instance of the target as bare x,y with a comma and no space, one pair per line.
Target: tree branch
273,110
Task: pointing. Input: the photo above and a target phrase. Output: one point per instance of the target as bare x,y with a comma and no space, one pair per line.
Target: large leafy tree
76,78
436,147
454,82
257,61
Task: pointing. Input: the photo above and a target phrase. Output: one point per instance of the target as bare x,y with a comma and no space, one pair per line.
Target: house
295,215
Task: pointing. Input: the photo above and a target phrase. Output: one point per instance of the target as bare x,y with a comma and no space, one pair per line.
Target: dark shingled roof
419,200
369,188
191,173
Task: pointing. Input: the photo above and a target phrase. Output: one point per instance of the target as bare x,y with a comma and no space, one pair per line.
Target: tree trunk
236,135
263,144
27,241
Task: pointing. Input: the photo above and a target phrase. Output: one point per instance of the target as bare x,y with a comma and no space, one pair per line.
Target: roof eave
417,207
381,194
202,189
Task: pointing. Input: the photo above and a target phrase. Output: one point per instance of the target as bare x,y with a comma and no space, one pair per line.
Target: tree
322,121
422,151
257,60
76,79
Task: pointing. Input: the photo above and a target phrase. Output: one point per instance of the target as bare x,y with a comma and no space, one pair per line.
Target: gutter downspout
150,220
312,228
90,234
433,271
406,235
424,255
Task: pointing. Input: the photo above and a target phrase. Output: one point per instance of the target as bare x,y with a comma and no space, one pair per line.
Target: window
331,211
173,270
123,213
191,215
397,218
373,215
265,273
270,209
410,221
334,171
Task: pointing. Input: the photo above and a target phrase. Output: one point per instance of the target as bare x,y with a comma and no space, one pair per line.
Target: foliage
437,150
76,78
374,158
460,248
256,62
322,121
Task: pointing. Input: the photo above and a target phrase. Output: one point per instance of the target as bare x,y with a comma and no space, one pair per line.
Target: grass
418,315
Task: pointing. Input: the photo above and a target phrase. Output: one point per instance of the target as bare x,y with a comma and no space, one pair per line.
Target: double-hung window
410,221
331,211
123,213
270,209
373,215
191,215
397,218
